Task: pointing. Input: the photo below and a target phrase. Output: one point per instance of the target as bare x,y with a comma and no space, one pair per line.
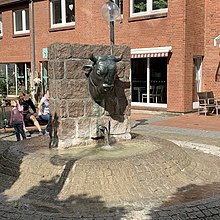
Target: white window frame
149,11
63,14
217,41
23,31
1,26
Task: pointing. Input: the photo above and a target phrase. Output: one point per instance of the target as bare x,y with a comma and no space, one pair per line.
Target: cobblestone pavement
170,194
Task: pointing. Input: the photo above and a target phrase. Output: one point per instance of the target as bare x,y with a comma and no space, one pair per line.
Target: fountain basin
140,172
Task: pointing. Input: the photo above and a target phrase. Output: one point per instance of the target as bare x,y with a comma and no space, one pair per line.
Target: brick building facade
172,47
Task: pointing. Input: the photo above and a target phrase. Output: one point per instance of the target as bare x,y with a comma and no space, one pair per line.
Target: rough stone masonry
78,115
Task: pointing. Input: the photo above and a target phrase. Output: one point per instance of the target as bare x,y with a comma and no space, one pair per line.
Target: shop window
147,7
3,85
16,76
149,80
1,33
62,13
21,21
22,75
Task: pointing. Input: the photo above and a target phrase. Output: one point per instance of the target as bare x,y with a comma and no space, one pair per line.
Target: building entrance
197,77
149,80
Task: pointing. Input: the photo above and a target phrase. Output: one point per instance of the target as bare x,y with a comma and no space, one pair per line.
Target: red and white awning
150,52
145,55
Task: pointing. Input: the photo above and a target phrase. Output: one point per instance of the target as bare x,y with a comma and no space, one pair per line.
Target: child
17,120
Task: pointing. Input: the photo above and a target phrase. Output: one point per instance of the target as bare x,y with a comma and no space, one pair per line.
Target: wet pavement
177,177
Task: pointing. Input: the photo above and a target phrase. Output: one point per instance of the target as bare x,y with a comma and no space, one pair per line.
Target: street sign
45,53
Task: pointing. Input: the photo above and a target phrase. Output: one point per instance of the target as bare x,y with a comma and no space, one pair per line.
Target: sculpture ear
93,58
118,58
88,68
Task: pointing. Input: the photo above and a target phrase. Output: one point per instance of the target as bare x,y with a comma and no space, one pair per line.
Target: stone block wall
78,115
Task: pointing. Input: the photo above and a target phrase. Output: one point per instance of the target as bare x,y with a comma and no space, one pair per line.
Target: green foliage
159,4
140,7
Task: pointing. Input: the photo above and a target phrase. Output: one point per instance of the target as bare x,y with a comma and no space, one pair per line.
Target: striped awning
150,52
145,55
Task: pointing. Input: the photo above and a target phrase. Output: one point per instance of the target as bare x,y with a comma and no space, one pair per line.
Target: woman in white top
43,107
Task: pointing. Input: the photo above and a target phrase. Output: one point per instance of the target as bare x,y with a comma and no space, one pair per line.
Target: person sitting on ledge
27,102
44,112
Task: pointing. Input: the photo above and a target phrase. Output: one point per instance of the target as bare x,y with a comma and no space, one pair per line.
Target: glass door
158,80
197,80
139,78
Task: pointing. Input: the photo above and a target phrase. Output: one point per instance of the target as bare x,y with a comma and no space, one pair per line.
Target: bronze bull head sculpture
101,75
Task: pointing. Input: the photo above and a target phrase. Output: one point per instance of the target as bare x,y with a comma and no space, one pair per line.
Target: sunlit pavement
199,198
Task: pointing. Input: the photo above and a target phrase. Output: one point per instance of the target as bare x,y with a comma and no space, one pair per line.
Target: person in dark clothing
27,103
17,120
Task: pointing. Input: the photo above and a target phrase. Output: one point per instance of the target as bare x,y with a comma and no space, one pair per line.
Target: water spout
105,132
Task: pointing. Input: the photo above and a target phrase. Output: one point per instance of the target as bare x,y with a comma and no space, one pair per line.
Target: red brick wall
183,29
13,49
194,44
212,54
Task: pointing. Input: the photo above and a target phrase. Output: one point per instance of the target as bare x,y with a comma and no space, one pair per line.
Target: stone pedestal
77,115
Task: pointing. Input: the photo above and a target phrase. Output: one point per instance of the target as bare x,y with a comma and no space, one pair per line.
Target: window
1,24
149,80
21,21
62,13
16,76
145,7
3,85
149,75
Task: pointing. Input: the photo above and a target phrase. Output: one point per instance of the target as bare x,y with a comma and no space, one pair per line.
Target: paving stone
204,209
199,214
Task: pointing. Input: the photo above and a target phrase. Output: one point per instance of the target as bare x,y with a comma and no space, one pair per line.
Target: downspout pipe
33,66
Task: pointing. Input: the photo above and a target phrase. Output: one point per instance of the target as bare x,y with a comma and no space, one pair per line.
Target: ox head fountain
101,75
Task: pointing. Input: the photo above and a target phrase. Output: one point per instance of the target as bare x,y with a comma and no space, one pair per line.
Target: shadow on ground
6,170
11,159
44,198
190,200
80,205
140,122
